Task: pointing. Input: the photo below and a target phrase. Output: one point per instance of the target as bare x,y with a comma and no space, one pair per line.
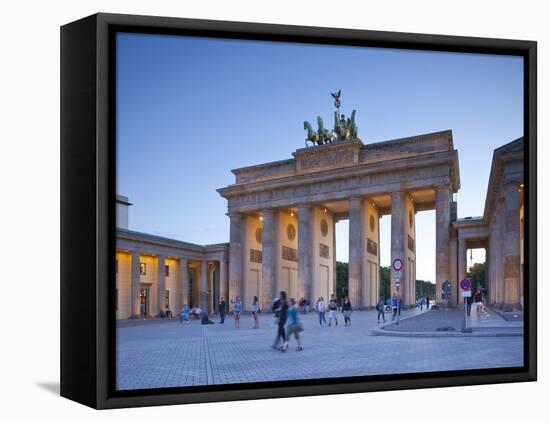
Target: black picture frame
88,209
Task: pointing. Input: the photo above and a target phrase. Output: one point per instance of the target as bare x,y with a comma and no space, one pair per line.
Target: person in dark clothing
468,305
346,309
221,310
427,303
282,314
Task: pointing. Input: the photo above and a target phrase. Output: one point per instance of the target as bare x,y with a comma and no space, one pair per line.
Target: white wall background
29,175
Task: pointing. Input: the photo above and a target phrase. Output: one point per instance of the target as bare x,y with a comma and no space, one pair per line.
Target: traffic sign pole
466,286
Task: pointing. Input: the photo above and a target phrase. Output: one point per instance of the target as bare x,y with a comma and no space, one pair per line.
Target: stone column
511,246
355,250
184,281
443,198
223,280
235,256
305,249
135,285
270,234
334,273
203,294
462,259
161,284
499,267
398,230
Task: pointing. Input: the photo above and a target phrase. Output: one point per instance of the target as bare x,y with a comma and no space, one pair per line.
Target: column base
506,307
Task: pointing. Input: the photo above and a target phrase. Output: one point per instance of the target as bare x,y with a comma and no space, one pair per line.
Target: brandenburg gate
283,215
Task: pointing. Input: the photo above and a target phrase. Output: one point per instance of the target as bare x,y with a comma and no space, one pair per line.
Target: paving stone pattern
170,354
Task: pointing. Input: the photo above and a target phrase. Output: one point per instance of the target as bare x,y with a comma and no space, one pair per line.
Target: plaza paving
156,354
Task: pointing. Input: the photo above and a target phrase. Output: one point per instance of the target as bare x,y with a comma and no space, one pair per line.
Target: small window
143,268
167,271
167,300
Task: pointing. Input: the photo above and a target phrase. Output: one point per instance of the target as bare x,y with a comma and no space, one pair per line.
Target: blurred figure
380,308
346,309
294,327
282,314
255,308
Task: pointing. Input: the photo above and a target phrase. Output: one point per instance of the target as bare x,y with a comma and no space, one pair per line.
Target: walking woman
255,308
478,299
294,327
332,307
320,307
282,313
237,309
346,309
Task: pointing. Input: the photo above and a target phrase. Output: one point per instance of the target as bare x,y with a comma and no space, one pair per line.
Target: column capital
304,206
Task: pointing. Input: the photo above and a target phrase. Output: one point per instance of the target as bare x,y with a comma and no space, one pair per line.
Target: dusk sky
191,109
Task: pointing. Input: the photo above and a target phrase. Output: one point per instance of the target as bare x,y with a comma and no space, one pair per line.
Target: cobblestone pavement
168,354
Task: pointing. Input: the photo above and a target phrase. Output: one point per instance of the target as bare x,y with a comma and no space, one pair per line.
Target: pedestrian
478,299
282,314
255,308
346,309
396,306
275,307
293,327
320,307
420,303
427,303
332,308
184,314
237,309
302,305
380,308
221,310
468,305
307,305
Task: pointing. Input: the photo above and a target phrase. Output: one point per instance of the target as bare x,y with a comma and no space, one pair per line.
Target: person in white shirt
320,306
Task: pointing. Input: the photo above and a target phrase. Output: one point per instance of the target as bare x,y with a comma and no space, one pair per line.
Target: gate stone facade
323,184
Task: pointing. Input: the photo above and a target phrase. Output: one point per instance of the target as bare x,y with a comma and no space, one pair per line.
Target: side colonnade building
155,274
282,230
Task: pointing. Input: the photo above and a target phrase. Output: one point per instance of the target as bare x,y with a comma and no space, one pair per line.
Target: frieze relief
290,254
322,159
324,251
255,256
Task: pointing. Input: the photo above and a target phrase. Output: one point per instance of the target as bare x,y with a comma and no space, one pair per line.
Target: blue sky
191,109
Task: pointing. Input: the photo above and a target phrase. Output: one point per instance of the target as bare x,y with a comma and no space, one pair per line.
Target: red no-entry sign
465,284
397,264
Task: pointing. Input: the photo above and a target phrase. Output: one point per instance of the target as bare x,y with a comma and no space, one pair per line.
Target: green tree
341,279
478,275
424,289
385,283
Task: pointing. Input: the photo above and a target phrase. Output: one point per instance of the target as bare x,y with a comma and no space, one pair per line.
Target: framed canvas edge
105,205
